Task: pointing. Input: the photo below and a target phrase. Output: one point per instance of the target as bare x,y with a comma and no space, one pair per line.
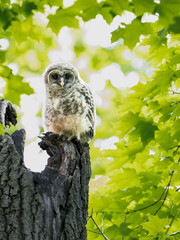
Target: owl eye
68,75
55,76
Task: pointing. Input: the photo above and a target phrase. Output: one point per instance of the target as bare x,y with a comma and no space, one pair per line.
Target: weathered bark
51,205
7,113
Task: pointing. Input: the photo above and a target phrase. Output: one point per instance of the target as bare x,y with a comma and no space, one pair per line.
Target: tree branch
167,190
100,232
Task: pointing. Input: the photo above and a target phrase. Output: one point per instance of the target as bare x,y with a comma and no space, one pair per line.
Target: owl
69,105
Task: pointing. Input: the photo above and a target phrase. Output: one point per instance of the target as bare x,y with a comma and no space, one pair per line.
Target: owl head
60,76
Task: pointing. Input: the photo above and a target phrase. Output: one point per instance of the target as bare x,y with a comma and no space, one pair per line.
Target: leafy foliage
134,191
14,85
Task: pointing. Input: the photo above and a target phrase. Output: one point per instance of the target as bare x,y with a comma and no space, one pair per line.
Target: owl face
62,76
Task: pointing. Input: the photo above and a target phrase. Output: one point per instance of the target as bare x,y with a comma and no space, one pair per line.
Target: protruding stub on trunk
63,153
8,114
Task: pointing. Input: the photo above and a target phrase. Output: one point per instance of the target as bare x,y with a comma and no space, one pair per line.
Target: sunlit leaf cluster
135,185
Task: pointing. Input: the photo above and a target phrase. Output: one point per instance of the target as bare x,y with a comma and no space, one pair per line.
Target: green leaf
145,128
6,16
168,10
118,6
156,225
2,33
28,7
113,232
87,9
69,16
175,59
58,3
4,2
162,35
63,17
21,30
176,130
128,121
125,178
140,9
107,13
2,56
175,26
5,71
176,111
14,85
135,29
158,47
117,34
165,139
163,79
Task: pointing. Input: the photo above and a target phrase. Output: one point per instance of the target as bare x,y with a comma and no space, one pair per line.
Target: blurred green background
128,53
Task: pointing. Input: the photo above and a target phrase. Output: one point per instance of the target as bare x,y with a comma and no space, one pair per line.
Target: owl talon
71,138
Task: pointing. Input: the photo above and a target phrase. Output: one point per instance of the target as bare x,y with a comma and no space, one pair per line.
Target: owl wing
90,111
90,102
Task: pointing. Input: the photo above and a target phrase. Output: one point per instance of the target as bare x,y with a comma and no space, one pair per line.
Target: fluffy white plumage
69,107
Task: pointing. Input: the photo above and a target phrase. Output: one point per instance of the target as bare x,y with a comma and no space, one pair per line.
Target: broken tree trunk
51,205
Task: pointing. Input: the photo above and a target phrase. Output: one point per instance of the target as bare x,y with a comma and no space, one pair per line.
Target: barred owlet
69,107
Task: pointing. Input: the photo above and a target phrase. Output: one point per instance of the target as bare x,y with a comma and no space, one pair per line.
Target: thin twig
159,199
102,223
172,220
174,103
100,232
177,148
154,203
99,229
167,190
173,234
93,231
124,226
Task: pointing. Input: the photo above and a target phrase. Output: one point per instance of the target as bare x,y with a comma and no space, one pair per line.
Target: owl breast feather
68,117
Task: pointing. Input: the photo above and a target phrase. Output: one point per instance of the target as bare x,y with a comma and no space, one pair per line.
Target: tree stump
51,205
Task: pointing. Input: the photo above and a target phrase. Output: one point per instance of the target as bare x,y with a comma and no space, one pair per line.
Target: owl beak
62,82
